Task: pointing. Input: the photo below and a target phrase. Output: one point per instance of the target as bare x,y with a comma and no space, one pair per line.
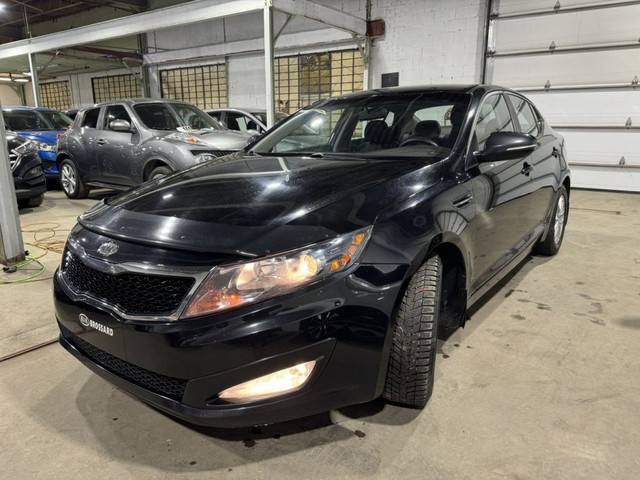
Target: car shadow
130,431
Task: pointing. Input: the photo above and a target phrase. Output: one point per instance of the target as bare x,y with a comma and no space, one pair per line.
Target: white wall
9,96
435,41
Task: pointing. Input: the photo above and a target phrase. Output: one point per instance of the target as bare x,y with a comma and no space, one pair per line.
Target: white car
251,120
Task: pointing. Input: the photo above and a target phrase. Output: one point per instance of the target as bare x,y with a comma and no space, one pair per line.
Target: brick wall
429,41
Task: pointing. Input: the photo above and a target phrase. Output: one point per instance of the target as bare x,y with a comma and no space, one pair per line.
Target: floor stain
598,308
630,322
512,291
592,319
360,434
249,443
541,306
518,317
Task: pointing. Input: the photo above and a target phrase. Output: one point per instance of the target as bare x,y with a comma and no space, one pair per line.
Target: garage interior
542,382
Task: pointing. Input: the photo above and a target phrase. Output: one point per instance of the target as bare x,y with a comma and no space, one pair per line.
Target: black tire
159,172
31,202
413,349
551,244
72,185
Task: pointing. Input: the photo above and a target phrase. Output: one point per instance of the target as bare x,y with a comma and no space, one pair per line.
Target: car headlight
237,285
205,157
46,147
26,147
186,138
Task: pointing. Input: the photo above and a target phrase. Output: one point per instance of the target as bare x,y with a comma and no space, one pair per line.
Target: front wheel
70,180
552,242
159,172
413,349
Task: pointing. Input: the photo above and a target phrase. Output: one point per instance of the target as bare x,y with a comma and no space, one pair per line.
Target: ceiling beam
45,13
322,14
177,15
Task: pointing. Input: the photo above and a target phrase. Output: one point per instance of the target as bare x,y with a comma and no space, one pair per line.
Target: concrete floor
544,382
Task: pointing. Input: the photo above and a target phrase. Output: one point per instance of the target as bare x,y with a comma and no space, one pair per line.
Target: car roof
237,109
453,88
137,101
25,108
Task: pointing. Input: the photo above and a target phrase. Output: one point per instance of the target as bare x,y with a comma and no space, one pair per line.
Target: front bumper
181,366
49,163
28,178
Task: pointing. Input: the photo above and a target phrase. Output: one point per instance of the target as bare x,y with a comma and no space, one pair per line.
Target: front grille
131,293
215,153
168,386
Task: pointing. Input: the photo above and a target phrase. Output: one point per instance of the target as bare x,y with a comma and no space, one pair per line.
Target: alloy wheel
559,220
68,179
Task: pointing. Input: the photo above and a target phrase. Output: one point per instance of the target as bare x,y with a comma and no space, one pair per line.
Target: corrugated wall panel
590,96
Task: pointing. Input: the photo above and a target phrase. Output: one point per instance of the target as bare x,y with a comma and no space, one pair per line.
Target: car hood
219,139
255,205
49,136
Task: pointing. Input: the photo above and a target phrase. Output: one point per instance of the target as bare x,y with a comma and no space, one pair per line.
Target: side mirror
506,146
253,131
120,126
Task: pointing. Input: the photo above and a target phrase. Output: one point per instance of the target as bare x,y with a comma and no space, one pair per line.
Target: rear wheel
413,349
70,180
31,202
552,242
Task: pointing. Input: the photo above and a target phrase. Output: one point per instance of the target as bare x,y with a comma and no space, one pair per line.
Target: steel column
490,41
268,64
11,245
35,83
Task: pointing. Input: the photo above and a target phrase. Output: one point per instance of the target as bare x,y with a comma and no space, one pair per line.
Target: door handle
526,169
463,201
555,152
101,141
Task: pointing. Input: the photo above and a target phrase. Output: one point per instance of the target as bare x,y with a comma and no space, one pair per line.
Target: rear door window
528,119
90,119
493,117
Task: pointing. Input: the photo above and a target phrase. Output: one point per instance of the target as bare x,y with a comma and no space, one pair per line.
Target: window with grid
204,86
56,95
115,87
304,79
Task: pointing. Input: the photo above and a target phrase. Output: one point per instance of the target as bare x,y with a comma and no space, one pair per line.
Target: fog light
276,383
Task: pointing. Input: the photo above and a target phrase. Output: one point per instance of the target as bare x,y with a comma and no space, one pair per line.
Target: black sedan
28,176
312,270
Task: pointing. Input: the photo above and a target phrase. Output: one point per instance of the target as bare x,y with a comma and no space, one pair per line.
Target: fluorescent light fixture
21,80
5,79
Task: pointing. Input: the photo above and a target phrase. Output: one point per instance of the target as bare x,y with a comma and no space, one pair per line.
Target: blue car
41,125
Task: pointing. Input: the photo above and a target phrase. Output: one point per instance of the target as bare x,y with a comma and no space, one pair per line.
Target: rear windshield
411,125
168,116
32,120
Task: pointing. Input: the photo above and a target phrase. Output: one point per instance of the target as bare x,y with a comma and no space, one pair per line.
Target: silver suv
122,143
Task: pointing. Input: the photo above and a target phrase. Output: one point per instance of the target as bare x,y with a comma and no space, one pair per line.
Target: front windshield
58,120
175,116
398,125
33,121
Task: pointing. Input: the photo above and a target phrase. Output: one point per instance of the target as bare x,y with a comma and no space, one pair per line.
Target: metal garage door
579,61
